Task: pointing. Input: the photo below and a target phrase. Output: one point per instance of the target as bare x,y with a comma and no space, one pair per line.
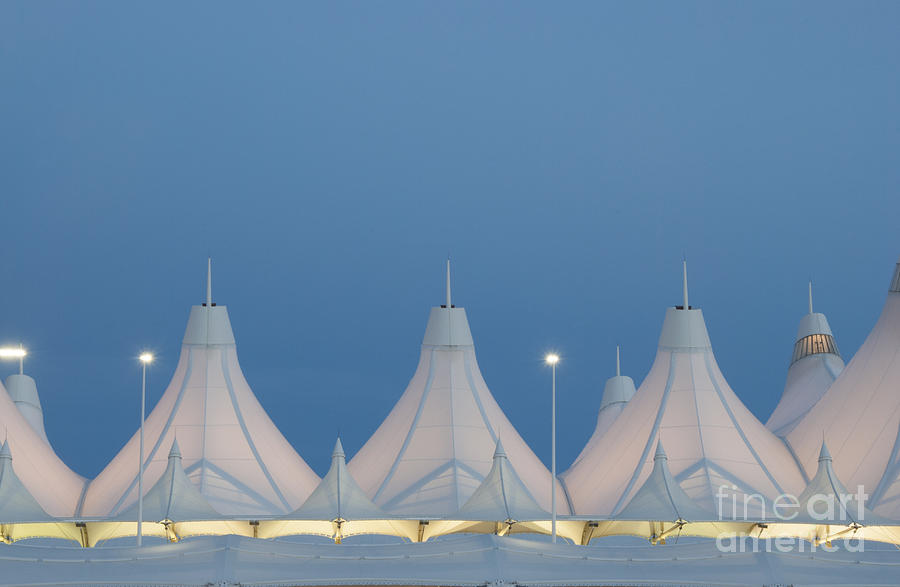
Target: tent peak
175,451
498,451
824,455
338,449
5,452
660,452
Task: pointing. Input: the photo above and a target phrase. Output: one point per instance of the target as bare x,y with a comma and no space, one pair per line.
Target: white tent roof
660,498
338,508
428,456
501,497
232,452
815,365
712,438
55,487
826,495
173,497
16,503
859,415
616,393
338,496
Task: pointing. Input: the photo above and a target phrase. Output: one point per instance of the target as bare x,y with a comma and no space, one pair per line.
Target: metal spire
810,297
684,265
618,370
209,282
448,283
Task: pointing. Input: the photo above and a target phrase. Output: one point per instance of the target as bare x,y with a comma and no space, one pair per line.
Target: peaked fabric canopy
660,498
660,508
173,508
826,500
859,415
16,503
502,496
715,443
501,505
815,365
21,516
338,508
338,496
173,497
826,510
428,456
232,452
52,484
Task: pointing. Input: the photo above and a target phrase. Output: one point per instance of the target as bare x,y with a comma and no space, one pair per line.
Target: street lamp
552,359
15,353
146,359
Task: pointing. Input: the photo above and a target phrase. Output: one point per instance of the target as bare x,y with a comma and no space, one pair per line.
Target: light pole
552,360
14,353
146,359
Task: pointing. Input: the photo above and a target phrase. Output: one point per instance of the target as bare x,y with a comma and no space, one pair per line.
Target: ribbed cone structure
52,484
16,502
859,415
502,497
338,496
232,452
23,391
616,394
427,457
815,365
173,497
660,498
713,439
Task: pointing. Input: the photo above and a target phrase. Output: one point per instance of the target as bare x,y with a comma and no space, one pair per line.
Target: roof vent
814,344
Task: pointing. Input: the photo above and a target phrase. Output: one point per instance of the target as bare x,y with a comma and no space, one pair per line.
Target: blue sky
330,155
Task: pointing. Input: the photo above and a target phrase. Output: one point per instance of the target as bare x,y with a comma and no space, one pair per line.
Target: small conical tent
21,516
501,505
338,508
173,508
715,443
616,393
859,415
815,364
660,497
52,484
428,456
826,510
660,508
232,451
173,498
502,497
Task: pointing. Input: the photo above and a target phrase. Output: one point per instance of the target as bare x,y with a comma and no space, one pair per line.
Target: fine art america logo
789,524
